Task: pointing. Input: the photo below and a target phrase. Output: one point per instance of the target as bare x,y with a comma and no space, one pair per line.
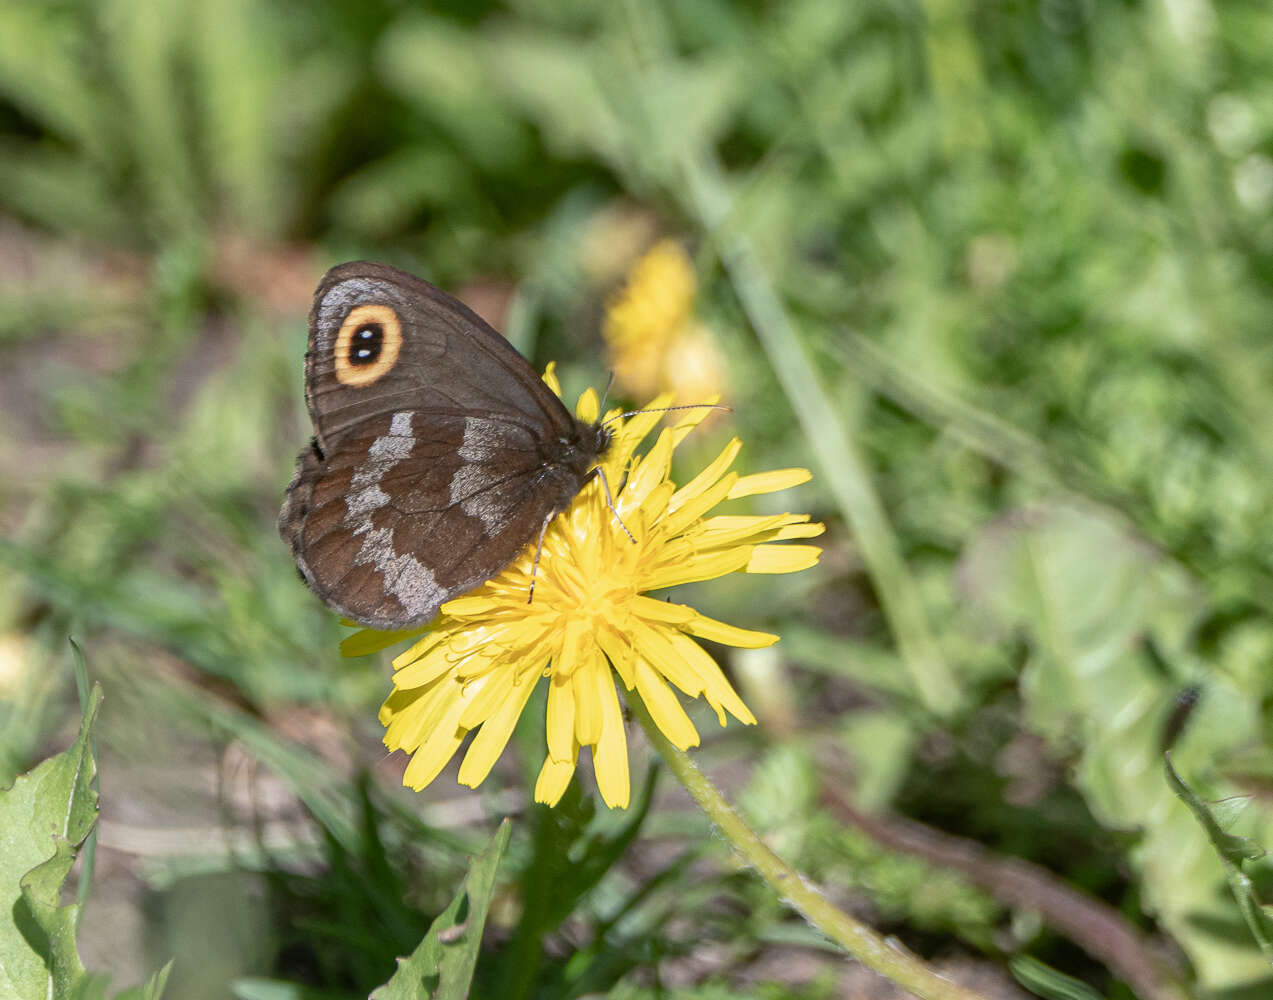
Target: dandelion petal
440,746
491,739
420,647
427,669
729,635
655,648
664,708
709,475
369,640
769,482
662,611
560,718
782,558
587,684
811,530
619,653
718,691
610,757
554,778
707,566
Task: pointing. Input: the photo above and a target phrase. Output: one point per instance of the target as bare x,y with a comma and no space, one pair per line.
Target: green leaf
234,47
1235,852
442,965
143,42
1092,596
152,989
780,796
573,849
385,194
43,71
437,67
688,103
1045,981
44,819
555,83
57,189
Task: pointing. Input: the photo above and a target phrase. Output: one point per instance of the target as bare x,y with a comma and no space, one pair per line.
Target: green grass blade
840,460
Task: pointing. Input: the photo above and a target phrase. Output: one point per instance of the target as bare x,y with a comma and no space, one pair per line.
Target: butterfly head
577,451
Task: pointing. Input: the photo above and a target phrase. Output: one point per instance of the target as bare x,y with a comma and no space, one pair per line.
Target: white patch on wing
404,576
400,425
479,444
365,494
409,580
472,486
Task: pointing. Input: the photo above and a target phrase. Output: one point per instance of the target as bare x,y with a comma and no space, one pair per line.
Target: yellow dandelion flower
654,342
474,668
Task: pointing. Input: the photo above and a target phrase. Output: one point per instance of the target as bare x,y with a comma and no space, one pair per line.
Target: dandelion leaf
1107,618
1236,854
45,817
441,967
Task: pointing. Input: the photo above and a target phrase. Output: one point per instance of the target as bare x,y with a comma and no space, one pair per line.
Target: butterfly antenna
669,409
606,395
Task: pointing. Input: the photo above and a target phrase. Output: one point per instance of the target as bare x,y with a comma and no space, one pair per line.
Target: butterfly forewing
438,455
450,359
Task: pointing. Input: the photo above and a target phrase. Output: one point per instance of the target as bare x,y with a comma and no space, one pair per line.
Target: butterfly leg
539,548
605,485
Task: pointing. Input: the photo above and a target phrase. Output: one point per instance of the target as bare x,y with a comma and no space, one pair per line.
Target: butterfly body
438,453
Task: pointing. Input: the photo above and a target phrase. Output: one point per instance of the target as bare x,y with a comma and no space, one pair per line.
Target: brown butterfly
438,452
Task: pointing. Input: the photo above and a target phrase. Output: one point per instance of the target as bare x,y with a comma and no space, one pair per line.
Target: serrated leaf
1234,854
441,967
781,792
44,819
1088,593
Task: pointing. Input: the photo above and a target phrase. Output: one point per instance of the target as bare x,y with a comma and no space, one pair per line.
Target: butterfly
438,452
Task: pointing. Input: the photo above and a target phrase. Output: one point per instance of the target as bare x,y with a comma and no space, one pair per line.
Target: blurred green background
998,273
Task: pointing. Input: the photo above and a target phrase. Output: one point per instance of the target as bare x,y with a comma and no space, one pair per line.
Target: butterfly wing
449,358
436,459
417,508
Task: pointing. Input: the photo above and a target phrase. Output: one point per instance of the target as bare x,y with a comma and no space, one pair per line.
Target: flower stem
889,959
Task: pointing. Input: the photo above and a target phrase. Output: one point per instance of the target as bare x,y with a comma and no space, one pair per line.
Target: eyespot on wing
367,345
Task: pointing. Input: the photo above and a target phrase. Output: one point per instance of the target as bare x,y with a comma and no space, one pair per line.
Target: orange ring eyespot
367,345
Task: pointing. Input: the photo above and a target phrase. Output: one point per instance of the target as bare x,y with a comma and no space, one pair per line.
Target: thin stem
888,958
